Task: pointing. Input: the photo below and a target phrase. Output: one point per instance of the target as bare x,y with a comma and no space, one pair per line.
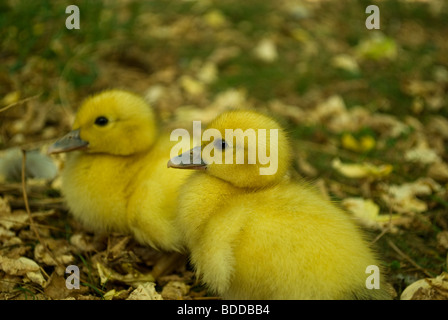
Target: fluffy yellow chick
115,177
254,236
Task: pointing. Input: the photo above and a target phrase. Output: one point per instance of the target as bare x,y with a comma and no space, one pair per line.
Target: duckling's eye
221,144
101,121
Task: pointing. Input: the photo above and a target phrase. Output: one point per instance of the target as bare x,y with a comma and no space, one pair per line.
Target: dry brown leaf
5,233
82,242
18,266
118,247
56,288
5,208
133,278
208,73
422,154
266,50
403,198
295,113
191,86
15,221
345,62
427,289
438,171
13,241
365,210
333,107
387,125
175,290
60,249
222,54
114,294
9,283
442,239
22,266
439,126
145,291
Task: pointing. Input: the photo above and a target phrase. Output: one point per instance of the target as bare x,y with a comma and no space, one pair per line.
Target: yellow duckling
266,236
116,177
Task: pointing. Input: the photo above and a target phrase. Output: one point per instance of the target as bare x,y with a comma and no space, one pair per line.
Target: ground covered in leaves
367,110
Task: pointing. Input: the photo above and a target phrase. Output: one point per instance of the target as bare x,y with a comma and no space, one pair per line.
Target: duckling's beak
188,160
71,141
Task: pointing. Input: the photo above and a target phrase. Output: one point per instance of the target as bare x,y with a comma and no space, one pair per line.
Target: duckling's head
114,122
244,148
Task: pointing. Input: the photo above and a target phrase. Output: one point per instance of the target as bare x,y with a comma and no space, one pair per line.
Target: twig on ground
19,102
27,208
406,257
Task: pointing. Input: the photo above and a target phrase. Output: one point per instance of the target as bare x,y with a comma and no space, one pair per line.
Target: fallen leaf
5,233
427,289
15,221
266,50
215,19
332,107
145,291
56,288
18,266
117,247
295,113
22,266
377,47
364,144
60,250
208,73
191,85
403,198
438,171
10,98
442,239
345,62
5,209
175,290
113,294
9,283
133,278
422,154
438,125
83,242
363,170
